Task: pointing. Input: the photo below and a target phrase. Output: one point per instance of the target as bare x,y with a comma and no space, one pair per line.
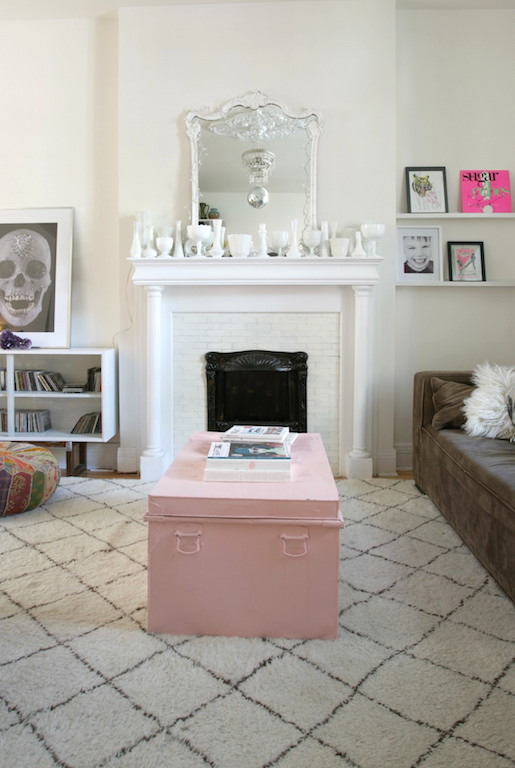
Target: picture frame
426,189
419,255
35,274
466,261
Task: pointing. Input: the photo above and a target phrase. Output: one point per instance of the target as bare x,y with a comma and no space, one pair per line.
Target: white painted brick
318,334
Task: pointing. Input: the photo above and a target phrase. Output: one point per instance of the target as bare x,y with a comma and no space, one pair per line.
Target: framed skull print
35,274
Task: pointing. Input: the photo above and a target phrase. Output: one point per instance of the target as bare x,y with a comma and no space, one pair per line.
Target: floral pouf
29,475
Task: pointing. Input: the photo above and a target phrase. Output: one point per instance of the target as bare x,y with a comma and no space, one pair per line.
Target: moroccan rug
422,673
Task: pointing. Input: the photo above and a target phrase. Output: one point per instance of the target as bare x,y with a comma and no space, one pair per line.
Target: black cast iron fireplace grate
256,387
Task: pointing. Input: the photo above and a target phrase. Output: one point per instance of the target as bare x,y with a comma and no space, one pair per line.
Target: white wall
58,148
58,137
454,109
334,57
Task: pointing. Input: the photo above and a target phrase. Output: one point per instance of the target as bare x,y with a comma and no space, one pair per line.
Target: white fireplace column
153,460
359,460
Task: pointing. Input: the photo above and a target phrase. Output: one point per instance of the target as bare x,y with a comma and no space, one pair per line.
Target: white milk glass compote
373,232
312,239
164,246
279,241
200,233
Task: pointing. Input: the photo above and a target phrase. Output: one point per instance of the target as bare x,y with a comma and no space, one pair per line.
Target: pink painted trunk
245,559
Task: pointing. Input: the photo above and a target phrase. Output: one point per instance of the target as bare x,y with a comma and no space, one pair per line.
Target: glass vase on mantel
178,250
136,249
216,251
294,251
358,249
323,248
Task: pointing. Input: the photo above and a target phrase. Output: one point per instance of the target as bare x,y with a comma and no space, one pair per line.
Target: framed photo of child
419,255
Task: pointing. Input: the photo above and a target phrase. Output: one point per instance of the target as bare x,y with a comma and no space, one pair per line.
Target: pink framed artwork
466,261
484,191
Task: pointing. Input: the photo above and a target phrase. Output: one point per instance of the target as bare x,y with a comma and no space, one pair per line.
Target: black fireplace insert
256,387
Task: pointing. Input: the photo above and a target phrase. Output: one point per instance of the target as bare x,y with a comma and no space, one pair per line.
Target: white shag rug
422,673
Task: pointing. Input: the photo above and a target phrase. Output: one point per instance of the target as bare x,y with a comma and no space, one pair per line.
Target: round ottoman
28,477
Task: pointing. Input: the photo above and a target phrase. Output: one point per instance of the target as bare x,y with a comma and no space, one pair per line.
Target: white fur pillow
488,410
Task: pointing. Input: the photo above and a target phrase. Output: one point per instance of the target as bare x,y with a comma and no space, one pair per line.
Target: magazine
241,454
485,191
248,462
256,434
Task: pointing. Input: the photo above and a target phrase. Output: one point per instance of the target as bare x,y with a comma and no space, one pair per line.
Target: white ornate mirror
254,161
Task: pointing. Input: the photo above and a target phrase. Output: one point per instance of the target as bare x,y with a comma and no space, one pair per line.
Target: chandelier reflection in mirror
255,142
258,163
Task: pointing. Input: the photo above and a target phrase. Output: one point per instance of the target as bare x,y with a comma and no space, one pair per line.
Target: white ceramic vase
136,249
216,250
323,248
294,251
358,250
178,250
150,252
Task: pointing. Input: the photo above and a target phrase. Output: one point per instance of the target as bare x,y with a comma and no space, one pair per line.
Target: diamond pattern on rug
421,675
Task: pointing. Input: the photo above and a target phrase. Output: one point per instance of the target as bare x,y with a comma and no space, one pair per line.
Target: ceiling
62,9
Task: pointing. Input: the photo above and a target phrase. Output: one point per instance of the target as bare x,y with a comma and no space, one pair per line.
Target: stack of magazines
251,453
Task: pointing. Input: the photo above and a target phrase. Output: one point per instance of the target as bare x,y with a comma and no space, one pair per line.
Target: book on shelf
89,423
243,461
94,382
38,420
485,191
74,388
34,381
256,434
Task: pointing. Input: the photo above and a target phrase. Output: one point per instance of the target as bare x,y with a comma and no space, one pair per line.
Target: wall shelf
459,284
455,215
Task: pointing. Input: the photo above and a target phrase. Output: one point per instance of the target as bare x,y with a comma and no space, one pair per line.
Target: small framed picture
466,261
426,190
35,274
419,254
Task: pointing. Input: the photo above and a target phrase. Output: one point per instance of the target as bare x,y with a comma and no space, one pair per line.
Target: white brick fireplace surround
341,286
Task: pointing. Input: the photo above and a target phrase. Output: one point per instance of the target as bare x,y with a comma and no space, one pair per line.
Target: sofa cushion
448,401
489,411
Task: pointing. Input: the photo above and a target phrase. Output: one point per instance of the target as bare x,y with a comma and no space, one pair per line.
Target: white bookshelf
65,408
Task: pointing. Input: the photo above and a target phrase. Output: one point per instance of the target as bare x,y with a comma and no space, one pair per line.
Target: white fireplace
199,287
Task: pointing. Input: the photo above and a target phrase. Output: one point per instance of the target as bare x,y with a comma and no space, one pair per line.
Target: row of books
251,453
27,420
51,381
39,420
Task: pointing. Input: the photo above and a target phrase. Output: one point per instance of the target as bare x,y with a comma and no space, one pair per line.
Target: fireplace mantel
157,275
254,271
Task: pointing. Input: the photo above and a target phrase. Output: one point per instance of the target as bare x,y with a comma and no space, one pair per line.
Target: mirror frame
254,100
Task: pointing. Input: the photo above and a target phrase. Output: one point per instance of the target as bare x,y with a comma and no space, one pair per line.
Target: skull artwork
25,261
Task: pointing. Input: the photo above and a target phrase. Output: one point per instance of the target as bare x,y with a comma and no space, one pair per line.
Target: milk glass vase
294,250
323,249
178,251
136,248
216,250
358,249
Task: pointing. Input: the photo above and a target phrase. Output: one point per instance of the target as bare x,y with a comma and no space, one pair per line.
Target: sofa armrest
423,408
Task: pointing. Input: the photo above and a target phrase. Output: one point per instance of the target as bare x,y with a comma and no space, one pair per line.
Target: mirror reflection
254,162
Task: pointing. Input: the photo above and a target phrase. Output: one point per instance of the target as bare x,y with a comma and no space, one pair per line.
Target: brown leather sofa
470,479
